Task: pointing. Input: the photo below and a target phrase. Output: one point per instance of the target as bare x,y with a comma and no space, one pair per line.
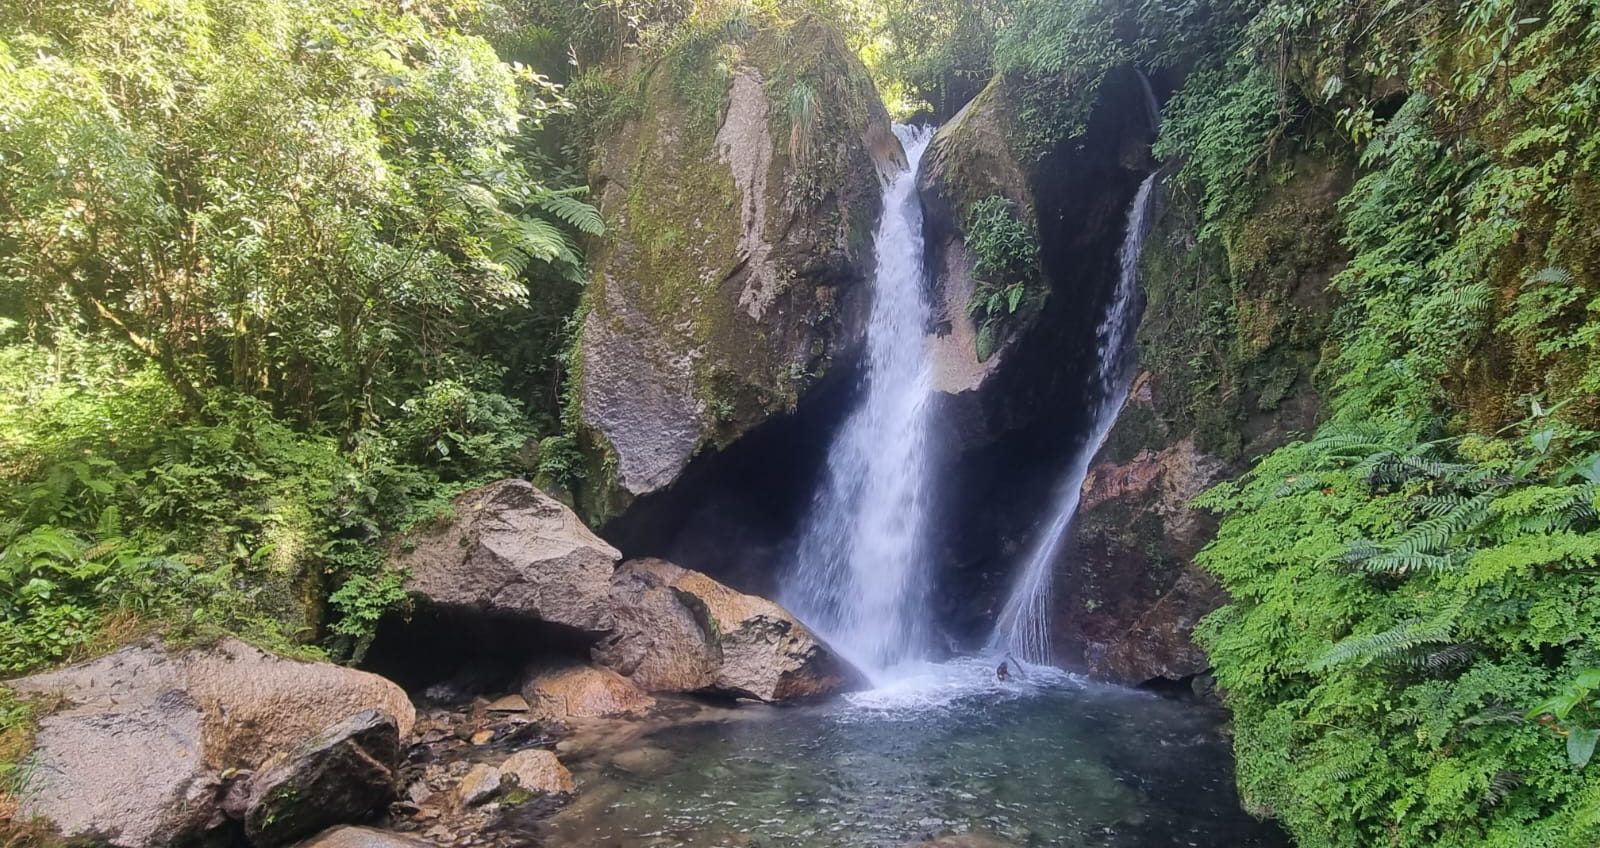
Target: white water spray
1024,625
858,577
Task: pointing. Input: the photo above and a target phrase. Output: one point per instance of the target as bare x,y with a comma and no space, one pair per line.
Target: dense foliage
256,261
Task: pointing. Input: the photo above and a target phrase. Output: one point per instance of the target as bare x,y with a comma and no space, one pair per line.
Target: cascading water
857,577
1024,625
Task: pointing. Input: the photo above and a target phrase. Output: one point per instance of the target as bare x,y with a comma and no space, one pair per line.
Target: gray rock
364,837
132,757
341,776
732,272
511,548
478,785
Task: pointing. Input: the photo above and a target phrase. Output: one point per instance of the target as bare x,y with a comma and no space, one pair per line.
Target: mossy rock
734,272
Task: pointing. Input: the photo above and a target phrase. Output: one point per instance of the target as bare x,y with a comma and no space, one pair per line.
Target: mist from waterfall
1023,628
858,578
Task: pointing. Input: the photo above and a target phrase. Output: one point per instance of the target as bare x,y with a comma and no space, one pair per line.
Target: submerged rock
680,631
510,548
343,775
582,691
133,756
364,837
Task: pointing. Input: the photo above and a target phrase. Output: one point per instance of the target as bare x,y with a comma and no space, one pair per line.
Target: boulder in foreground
134,754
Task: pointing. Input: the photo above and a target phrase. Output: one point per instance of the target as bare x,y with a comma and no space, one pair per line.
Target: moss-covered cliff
740,195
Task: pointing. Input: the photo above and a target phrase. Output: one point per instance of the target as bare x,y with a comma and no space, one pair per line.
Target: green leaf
1580,744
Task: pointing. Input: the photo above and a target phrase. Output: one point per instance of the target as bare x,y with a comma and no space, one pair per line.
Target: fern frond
1395,641
1408,562
575,213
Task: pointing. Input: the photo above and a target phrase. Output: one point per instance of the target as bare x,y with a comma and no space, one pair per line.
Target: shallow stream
947,751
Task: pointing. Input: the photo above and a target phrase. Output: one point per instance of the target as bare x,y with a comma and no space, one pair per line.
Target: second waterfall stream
858,576
1023,629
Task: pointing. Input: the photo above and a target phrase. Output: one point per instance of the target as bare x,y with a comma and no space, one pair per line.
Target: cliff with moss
740,192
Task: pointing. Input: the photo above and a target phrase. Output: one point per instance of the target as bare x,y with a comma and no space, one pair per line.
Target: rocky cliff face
1230,344
740,199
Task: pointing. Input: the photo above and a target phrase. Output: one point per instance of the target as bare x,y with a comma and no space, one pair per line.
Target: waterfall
1024,624
858,576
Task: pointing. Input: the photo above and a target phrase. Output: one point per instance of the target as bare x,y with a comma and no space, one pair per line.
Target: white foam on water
917,688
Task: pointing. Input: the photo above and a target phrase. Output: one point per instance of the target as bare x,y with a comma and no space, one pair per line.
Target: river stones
582,691
479,784
512,549
133,756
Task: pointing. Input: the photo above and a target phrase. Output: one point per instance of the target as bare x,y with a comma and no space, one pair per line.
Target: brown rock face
133,755
1129,615
680,631
513,549
581,691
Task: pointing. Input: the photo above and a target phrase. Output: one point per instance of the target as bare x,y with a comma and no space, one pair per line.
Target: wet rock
539,772
134,754
364,837
480,783
1140,624
511,548
643,762
680,631
340,776
582,691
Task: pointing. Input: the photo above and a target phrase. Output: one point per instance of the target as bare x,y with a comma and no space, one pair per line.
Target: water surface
1048,760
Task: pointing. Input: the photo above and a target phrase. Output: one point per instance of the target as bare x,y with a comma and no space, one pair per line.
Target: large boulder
732,274
679,630
342,775
133,754
511,549
660,642
582,691
971,158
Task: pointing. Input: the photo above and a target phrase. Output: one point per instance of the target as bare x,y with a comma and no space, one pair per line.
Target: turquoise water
1044,761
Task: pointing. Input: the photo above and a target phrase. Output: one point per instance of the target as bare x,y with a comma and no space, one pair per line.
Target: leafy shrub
1006,266
461,431
1401,611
